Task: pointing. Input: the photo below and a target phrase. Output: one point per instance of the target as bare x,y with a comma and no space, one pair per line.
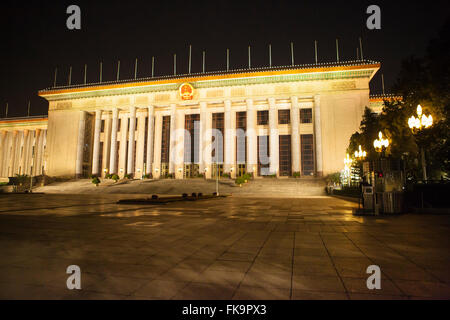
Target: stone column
205,138
130,162
96,149
29,153
150,129
179,145
113,152
123,145
36,162
173,137
318,135
252,147
23,152
295,134
202,127
273,138
44,151
156,167
13,153
107,144
3,150
230,140
30,156
140,145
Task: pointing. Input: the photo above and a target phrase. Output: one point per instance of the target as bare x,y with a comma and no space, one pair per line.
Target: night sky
35,39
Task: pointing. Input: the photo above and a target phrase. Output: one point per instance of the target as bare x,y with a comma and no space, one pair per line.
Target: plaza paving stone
227,248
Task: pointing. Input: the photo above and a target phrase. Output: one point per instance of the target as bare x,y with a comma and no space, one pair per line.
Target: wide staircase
260,187
285,187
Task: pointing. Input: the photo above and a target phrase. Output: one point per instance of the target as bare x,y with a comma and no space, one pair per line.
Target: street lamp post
380,144
360,155
416,124
347,165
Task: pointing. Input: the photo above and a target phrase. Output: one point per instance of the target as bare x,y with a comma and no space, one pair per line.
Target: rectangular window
100,159
263,156
263,117
145,141
241,139
284,116
217,138
285,155
102,127
306,115
165,139
307,152
191,138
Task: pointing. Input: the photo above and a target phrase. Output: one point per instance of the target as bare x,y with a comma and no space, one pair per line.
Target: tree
424,81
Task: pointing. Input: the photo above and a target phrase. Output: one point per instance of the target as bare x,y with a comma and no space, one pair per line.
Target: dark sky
35,39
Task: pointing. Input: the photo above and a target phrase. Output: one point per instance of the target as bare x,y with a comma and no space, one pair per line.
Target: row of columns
16,152
176,143
125,151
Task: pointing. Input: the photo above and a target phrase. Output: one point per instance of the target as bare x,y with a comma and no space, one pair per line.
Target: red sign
186,91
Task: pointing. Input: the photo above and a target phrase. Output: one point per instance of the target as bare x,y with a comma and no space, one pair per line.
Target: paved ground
232,248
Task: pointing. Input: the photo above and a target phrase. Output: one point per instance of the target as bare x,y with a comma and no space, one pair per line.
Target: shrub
21,178
146,176
240,180
128,176
95,180
200,175
200,194
296,174
333,178
226,175
194,194
115,177
108,176
170,175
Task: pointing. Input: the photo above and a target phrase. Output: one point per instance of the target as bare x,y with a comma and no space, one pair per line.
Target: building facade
22,146
270,121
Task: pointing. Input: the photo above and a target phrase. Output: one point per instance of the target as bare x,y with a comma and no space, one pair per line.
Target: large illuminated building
279,121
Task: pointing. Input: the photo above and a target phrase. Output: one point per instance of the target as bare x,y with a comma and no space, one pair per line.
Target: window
306,115
263,156
217,138
165,139
191,138
284,116
102,127
241,139
263,117
307,152
284,155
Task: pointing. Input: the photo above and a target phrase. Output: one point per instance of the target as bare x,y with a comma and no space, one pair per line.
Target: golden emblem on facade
186,91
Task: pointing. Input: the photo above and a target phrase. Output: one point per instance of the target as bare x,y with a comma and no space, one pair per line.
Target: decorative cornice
23,121
382,97
344,70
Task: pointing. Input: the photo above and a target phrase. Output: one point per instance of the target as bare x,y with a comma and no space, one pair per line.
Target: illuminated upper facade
269,121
